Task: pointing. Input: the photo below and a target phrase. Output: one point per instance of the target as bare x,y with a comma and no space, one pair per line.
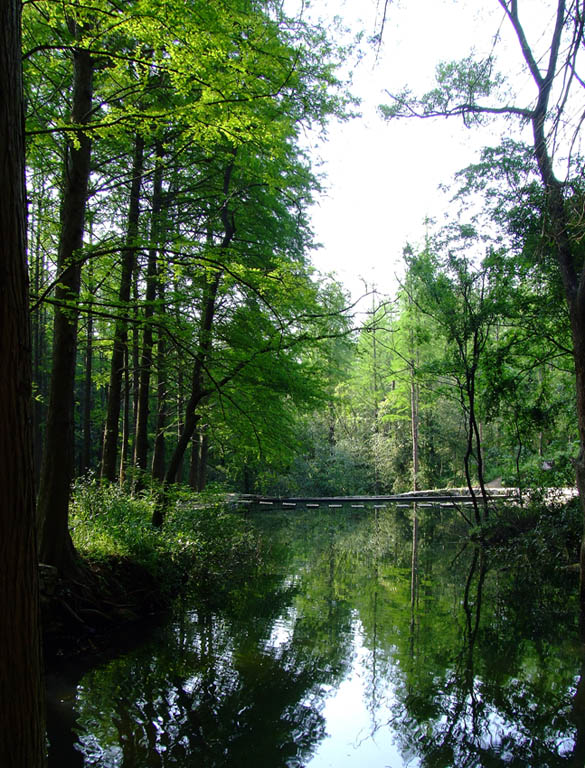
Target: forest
179,331
182,343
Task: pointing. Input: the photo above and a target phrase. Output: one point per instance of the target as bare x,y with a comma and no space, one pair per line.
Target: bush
202,546
544,533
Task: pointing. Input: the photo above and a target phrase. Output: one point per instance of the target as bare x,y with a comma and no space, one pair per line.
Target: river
346,652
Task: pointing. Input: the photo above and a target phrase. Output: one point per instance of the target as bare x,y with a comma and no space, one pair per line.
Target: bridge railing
446,497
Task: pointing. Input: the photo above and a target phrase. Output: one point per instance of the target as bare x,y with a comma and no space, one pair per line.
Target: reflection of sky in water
282,631
352,715
353,736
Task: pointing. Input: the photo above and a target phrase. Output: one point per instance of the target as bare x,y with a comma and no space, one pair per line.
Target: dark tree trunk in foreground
37,271
112,426
22,732
55,546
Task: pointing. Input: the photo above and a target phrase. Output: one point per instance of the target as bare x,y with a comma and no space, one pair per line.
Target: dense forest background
180,331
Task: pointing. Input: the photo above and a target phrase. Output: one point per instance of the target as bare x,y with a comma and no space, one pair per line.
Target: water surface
348,653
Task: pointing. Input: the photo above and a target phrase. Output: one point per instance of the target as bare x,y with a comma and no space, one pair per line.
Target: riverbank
79,615
130,572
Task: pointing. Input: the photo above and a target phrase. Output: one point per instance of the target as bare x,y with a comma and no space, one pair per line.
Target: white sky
382,178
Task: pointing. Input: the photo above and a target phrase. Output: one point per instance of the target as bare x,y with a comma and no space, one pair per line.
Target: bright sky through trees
382,178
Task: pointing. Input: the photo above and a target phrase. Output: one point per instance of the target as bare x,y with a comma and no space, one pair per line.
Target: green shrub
540,532
201,546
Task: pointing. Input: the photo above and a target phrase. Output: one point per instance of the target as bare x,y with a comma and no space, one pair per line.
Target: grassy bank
130,570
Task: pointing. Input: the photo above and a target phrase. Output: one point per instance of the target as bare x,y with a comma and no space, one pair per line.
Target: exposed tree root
79,615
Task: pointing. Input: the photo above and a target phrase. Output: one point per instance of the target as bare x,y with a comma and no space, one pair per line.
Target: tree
21,704
463,87
207,82
528,371
146,359
110,445
463,302
55,546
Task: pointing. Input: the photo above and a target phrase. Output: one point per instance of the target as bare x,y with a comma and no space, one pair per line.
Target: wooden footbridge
429,498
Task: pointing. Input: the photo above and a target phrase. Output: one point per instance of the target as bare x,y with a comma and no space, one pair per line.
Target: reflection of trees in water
469,667
214,691
467,713
471,674
464,659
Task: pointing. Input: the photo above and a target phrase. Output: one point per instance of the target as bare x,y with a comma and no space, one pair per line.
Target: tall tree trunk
198,392
125,420
573,277
158,452
477,441
38,319
145,368
135,347
199,452
55,544
178,476
87,384
414,429
203,454
468,405
413,415
197,389
574,288
573,283
194,468
112,425
22,732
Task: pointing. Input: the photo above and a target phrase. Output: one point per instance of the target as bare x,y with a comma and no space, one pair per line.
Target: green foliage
326,467
542,535
460,88
288,399
221,97
202,547
532,232
479,323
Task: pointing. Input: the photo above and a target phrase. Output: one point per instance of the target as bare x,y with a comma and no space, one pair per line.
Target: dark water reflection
341,658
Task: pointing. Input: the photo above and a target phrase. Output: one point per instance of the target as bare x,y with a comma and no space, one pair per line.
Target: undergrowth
538,532
201,547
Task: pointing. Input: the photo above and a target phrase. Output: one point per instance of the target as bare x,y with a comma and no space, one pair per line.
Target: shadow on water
362,645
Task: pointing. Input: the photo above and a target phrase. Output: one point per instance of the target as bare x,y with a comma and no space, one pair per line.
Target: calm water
346,655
